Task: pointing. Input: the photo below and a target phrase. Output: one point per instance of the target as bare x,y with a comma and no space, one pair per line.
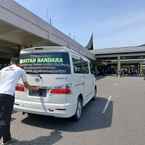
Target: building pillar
118,66
141,70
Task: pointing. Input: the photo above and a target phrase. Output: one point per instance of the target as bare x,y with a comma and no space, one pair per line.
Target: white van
65,80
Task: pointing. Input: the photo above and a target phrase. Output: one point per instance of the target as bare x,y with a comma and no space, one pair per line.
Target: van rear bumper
57,110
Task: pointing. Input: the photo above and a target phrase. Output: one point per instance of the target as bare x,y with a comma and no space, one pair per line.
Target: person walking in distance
9,77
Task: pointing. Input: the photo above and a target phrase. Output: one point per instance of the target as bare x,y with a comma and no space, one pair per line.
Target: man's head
14,60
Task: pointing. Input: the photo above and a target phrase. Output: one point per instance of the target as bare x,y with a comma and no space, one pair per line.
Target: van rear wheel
79,110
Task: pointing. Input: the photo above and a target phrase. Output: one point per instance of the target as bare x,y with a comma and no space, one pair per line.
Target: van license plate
38,93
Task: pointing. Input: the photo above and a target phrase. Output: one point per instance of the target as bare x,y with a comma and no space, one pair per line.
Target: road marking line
106,106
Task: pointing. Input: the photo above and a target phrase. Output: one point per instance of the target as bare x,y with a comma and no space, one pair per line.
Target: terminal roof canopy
119,50
90,45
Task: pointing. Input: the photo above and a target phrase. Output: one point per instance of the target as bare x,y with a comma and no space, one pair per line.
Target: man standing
9,77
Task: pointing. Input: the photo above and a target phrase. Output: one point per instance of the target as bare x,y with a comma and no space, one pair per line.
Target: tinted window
46,63
93,67
80,66
84,67
77,65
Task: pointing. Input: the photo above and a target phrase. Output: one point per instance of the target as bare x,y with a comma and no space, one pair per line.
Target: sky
114,23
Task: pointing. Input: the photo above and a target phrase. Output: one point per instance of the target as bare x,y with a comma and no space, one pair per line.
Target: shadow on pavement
54,137
92,118
100,77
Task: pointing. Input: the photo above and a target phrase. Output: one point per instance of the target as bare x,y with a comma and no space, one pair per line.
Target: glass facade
127,65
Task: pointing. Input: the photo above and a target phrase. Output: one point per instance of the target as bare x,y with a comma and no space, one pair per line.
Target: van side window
77,65
84,67
80,66
93,67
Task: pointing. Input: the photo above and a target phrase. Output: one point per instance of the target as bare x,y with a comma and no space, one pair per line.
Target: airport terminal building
124,61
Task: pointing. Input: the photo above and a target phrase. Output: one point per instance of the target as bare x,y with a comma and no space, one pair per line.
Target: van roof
58,48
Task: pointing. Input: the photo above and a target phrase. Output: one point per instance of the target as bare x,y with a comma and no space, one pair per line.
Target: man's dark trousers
6,107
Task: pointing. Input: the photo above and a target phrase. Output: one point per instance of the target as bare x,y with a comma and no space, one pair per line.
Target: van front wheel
79,109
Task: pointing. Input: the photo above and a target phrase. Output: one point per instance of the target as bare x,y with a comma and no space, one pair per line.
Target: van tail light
65,90
20,87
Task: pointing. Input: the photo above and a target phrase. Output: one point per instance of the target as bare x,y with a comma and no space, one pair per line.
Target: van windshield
46,63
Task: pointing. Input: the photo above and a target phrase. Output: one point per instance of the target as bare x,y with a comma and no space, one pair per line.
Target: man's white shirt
9,77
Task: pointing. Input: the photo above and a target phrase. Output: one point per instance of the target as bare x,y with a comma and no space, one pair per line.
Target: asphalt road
116,117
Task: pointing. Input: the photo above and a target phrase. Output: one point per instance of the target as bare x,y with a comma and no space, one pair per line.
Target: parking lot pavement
116,117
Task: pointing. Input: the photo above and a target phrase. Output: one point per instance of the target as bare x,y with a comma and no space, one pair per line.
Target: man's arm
28,86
